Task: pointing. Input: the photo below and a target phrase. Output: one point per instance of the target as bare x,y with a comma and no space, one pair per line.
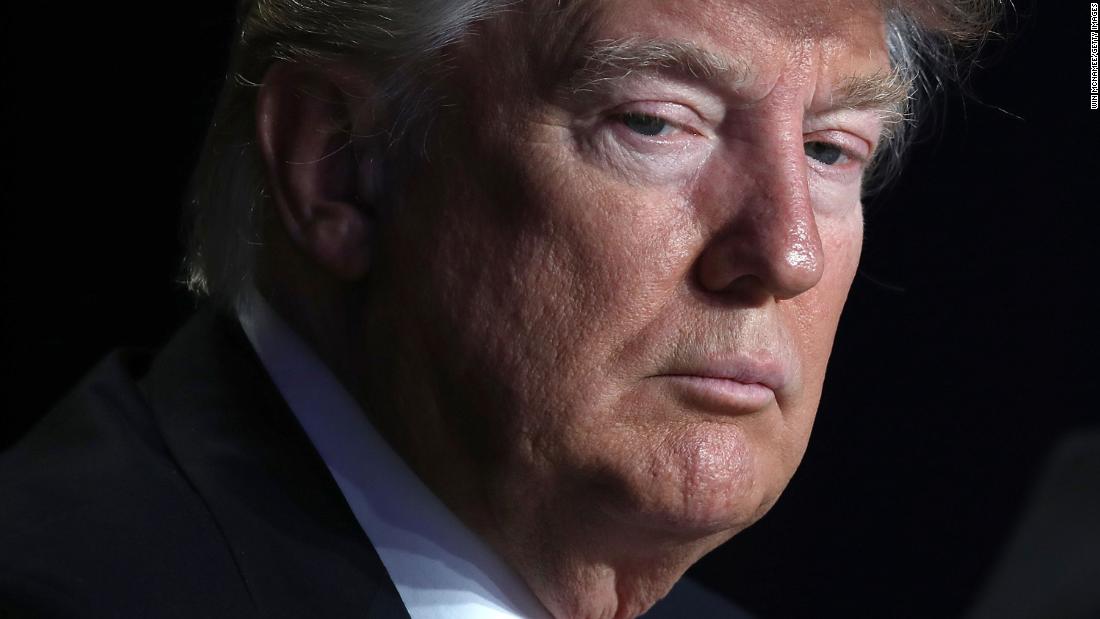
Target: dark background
966,350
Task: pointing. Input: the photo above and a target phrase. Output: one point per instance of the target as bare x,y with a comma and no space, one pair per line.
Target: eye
829,154
646,124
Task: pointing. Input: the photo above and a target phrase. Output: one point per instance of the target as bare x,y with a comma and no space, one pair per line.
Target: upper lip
743,369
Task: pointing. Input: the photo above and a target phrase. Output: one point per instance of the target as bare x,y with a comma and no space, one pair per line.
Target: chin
705,479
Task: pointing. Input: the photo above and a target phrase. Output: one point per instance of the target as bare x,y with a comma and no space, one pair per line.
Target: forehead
736,19
827,41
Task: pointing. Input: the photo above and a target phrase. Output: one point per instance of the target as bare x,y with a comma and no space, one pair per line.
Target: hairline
225,205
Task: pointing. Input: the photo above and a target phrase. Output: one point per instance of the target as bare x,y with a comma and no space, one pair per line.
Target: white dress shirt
441,569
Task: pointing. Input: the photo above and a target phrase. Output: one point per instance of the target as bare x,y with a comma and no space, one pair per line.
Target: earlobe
309,134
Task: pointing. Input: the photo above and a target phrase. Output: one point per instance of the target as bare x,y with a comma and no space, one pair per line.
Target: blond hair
400,43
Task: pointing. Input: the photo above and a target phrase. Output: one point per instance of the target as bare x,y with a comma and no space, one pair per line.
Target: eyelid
854,147
859,130
682,117
657,88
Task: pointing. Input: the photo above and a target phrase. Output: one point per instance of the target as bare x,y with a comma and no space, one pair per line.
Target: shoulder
180,485
94,505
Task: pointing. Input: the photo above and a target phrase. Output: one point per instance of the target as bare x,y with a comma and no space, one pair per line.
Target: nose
765,240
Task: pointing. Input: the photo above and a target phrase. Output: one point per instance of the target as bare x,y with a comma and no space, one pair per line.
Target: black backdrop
966,350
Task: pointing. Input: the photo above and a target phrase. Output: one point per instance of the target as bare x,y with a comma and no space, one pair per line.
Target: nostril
766,243
728,272
762,258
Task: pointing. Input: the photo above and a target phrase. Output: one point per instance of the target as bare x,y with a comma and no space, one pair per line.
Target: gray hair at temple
401,42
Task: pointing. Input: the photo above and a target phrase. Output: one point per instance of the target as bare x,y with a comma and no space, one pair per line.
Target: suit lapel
298,547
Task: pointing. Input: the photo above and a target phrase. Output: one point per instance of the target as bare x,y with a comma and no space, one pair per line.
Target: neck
579,565
586,566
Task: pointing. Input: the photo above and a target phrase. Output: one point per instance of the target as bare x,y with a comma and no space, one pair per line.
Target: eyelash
852,155
626,118
844,155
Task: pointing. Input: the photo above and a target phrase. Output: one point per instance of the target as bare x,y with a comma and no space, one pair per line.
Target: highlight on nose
803,262
769,247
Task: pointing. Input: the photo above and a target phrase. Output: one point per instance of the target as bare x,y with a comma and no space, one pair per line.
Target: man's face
611,296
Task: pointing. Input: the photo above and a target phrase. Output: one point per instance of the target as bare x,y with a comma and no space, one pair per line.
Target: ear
312,124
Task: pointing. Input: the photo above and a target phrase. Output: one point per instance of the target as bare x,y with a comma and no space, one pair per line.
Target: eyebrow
885,92
614,60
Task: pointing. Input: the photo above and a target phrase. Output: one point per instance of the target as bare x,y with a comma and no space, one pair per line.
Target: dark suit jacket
182,486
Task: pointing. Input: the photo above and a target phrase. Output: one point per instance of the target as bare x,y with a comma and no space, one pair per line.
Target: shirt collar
440,568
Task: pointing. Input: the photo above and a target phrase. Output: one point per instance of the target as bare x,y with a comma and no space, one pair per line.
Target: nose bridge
784,211
769,241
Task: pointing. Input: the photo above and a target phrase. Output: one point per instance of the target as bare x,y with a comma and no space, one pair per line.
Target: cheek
539,278
818,310
842,241
603,256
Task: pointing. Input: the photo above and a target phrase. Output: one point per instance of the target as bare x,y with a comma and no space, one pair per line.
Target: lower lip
722,395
